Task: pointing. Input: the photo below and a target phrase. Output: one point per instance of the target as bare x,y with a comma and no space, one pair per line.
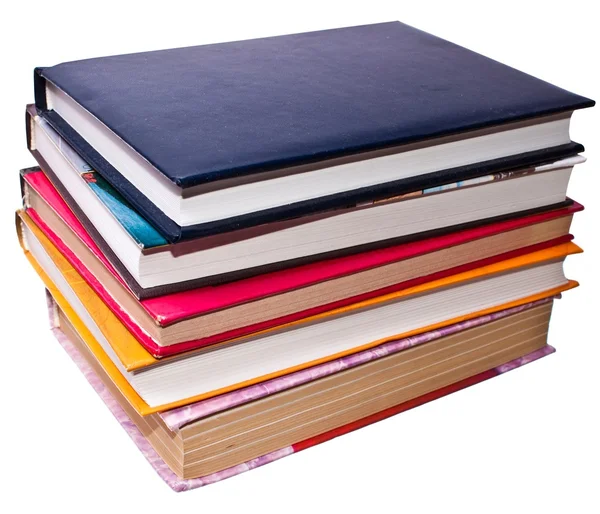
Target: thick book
154,385
152,267
167,325
239,134
144,432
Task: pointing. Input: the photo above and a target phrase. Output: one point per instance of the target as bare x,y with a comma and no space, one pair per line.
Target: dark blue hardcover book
235,113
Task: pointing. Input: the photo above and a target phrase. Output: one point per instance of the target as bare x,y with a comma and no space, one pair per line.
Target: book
153,385
152,267
138,428
179,417
295,124
179,322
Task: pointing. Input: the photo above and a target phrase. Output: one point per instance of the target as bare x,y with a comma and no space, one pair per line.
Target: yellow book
131,366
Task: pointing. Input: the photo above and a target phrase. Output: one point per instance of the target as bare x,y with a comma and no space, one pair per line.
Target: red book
163,324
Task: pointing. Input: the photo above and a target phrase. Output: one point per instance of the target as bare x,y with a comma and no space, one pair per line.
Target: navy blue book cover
211,112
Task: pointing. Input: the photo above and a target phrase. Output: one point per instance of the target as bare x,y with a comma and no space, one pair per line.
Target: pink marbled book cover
178,417
178,484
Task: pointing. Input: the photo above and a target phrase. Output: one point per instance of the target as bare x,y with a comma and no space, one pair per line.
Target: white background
526,441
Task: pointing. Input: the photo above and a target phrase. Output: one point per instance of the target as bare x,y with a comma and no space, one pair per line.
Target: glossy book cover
133,356
168,309
132,350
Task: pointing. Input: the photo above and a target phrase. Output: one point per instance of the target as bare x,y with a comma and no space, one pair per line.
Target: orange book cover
134,357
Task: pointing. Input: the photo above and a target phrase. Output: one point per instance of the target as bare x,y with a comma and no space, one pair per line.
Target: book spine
39,89
20,234
24,185
53,308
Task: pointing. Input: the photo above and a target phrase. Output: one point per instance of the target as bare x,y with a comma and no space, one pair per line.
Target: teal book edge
142,232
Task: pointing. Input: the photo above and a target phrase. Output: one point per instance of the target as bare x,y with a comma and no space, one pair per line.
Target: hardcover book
178,421
153,385
173,323
252,247
154,268
281,129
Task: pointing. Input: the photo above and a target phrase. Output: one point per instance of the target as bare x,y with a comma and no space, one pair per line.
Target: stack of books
253,247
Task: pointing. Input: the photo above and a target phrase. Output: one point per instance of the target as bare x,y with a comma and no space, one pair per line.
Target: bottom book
68,338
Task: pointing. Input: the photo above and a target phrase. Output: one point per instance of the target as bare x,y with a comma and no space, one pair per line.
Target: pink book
177,418
172,308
